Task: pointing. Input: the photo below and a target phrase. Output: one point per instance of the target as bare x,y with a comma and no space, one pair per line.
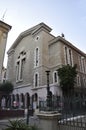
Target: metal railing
73,123
53,105
73,114
67,105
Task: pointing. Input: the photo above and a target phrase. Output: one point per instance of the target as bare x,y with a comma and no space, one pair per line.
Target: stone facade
35,51
4,29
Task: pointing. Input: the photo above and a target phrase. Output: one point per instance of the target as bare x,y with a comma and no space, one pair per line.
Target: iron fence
73,114
66,106
56,104
73,123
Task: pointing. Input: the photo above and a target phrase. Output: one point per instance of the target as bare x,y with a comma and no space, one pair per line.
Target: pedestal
48,120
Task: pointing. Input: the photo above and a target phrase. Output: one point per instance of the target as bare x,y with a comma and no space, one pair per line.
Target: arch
35,97
3,102
13,97
50,93
35,100
17,100
9,102
22,100
27,100
17,97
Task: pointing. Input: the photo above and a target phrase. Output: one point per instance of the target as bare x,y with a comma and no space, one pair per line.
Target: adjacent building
35,51
3,80
4,29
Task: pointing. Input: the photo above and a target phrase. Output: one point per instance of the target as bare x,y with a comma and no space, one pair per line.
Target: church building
34,52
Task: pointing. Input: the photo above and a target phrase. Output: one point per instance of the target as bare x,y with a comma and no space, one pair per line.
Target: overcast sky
63,16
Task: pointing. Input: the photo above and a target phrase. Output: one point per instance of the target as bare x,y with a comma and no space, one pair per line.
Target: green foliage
6,87
67,75
19,125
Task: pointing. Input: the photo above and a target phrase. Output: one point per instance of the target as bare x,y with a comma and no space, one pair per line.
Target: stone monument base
48,120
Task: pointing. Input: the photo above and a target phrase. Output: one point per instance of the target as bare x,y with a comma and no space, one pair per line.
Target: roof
36,28
5,25
59,38
32,31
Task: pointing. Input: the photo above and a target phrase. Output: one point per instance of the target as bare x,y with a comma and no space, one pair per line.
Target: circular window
37,38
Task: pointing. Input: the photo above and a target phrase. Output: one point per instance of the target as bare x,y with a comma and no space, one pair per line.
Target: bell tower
4,29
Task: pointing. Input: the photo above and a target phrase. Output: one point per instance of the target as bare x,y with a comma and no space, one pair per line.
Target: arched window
55,77
66,56
84,81
78,80
70,57
36,57
36,79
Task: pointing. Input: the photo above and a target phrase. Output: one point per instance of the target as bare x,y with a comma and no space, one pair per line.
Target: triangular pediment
30,31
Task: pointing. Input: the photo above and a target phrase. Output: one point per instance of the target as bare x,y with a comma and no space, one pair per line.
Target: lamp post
48,87
48,91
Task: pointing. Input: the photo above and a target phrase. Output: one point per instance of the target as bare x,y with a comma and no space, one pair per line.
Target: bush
19,125
6,87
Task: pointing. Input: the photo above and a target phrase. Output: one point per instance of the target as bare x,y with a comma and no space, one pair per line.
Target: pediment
31,31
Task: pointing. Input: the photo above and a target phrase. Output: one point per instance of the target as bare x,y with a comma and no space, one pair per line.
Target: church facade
34,52
4,29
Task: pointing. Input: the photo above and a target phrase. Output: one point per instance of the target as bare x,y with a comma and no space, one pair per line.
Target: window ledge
18,81
35,88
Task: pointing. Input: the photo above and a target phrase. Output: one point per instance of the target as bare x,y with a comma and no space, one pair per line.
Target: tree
6,87
67,75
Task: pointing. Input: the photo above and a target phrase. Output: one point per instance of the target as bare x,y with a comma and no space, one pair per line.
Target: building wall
10,67
29,44
55,54
4,28
3,75
3,39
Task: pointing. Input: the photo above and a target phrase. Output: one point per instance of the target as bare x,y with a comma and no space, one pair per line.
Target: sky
63,16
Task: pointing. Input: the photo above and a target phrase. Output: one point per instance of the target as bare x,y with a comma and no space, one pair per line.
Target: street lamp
49,100
48,87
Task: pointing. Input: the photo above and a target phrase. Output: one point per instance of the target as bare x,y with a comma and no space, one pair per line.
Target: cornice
5,26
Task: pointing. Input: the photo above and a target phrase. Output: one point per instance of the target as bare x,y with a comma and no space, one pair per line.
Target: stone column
48,120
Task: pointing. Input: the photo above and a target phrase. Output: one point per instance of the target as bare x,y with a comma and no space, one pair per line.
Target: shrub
6,87
19,125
